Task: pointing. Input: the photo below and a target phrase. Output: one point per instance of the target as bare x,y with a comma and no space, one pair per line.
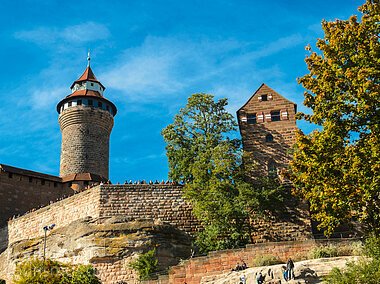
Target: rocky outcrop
307,271
114,241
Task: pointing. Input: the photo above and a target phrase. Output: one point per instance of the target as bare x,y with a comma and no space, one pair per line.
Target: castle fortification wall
60,213
21,192
158,202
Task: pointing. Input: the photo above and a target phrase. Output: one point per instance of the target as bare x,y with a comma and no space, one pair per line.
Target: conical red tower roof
87,75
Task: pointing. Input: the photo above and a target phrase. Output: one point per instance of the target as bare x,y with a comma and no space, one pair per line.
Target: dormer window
275,115
251,118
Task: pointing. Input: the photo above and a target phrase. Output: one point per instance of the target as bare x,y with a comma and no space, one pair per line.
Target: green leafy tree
202,155
146,264
337,168
38,271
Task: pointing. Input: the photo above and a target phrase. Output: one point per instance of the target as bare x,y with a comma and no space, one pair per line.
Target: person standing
290,269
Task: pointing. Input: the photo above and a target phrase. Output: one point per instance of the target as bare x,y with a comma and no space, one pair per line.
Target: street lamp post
47,228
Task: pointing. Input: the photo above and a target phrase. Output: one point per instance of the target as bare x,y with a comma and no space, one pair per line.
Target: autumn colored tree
337,168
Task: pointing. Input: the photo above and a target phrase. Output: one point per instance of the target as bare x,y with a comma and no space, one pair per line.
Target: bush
266,260
37,271
367,270
145,265
324,251
364,271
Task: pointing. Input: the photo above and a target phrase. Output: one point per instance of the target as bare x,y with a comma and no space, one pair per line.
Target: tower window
90,103
107,107
69,104
79,102
92,84
275,115
269,138
100,104
251,118
264,98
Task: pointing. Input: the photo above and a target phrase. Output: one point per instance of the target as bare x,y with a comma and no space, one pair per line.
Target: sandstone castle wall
22,191
85,141
159,202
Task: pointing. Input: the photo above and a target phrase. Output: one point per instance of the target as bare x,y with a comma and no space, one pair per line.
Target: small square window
79,102
264,98
92,84
90,103
275,115
69,104
251,118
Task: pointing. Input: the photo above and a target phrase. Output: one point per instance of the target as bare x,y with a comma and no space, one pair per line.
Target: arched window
269,138
272,169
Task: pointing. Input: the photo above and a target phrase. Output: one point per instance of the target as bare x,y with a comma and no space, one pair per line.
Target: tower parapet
86,121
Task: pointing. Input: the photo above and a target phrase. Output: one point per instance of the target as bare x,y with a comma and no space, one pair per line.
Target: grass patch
266,260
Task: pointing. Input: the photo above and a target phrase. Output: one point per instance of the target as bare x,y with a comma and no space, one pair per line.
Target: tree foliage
37,271
366,270
146,264
337,168
202,155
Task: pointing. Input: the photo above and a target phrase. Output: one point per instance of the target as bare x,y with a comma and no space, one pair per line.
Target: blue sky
151,56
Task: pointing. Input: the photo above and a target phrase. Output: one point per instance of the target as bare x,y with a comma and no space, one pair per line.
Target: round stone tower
86,121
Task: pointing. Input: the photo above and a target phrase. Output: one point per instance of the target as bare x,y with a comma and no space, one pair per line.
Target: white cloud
48,97
76,34
161,68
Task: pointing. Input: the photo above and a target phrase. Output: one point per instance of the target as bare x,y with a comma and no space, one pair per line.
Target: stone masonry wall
85,141
21,193
159,202
192,271
60,213
3,238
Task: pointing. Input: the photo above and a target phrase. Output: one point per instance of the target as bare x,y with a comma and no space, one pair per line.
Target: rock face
112,241
307,271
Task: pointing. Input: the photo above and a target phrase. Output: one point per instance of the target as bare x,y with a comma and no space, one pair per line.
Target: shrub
363,271
324,251
145,265
37,271
266,260
367,270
